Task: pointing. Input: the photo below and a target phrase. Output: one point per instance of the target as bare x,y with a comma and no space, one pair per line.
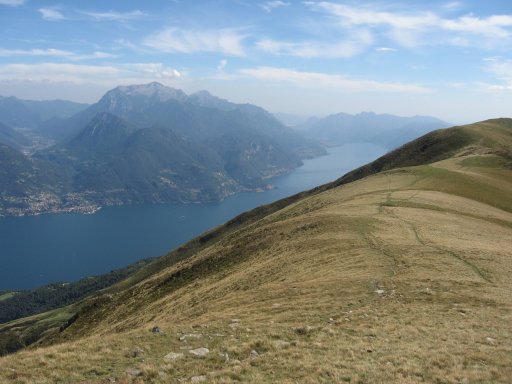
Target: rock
225,356
379,291
198,379
199,352
254,354
156,329
190,336
490,340
137,352
173,356
133,372
235,320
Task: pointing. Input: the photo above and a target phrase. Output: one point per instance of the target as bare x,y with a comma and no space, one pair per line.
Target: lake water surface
37,250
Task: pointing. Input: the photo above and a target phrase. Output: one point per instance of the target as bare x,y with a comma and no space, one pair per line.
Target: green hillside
398,272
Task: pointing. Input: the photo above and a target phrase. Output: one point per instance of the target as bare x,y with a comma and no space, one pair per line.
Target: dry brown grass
395,278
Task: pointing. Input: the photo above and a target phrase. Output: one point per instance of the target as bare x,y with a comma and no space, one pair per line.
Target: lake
36,250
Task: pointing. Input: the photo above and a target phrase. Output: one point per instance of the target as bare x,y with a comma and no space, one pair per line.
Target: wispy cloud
222,65
502,70
87,74
114,16
52,52
350,47
269,6
12,3
385,49
174,40
417,27
453,6
51,14
312,49
323,80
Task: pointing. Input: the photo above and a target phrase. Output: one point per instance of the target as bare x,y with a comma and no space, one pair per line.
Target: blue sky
450,59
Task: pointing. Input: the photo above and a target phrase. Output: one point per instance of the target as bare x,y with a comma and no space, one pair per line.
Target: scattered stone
173,356
254,354
198,379
156,329
137,352
199,352
133,372
190,336
225,356
379,291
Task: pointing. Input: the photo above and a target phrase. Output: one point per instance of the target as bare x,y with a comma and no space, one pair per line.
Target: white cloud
357,41
175,40
502,70
492,58
269,6
385,49
222,65
51,14
12,3
52,52
34,52
323,80
312,49
109,75
417,28
453,6
114,16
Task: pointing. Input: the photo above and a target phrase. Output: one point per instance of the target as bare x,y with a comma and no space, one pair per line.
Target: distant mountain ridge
151,143
383,129
18,113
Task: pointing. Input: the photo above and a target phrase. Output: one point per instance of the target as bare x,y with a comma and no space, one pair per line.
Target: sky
449,59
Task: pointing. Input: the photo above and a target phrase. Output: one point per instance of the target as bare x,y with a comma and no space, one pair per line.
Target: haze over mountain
151,143
387,130
18,113
12,138
397,272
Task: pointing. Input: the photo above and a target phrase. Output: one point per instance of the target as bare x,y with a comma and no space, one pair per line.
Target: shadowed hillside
397,272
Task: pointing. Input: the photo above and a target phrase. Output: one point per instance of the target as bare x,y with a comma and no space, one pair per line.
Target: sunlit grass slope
397,273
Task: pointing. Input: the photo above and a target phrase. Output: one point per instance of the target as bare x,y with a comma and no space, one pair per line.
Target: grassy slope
402,276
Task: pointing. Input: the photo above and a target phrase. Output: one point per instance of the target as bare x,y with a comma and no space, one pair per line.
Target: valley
396,272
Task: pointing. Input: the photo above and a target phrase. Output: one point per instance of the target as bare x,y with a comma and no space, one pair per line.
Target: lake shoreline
38,250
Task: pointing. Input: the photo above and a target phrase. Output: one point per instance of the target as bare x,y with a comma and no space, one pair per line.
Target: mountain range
397,272
382,129
142,144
